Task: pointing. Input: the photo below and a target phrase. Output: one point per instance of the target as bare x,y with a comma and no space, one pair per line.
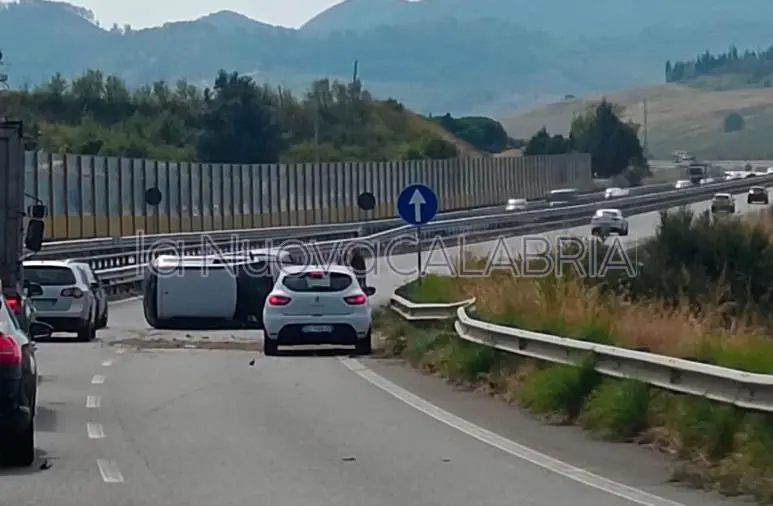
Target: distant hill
488,57
555,17
679,117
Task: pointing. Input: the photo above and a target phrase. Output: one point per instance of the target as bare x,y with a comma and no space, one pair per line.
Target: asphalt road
136,427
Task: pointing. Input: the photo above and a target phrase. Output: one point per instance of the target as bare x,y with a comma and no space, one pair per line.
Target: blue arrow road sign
417,204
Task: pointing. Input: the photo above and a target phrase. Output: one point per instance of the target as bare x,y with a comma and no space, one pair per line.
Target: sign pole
418,252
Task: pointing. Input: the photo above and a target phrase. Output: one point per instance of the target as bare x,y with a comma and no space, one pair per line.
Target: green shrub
558,389
617,408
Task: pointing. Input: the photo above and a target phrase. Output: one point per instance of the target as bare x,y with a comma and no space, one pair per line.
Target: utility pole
646,150
316,128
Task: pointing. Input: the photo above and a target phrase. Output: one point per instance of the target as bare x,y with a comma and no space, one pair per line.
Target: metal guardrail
722,384
413,311
122,260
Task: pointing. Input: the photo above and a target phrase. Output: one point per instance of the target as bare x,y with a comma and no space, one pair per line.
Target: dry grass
678,117
569,308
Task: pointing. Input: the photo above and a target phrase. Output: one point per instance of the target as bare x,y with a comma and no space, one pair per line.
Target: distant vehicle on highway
708,180
562,197
613,193
697,171
723,203
608,221
312,305
18,387
757,194
201,291
682,184
67,303
516,205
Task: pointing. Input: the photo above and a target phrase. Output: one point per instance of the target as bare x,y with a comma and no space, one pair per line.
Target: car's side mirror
40,330
33,289
370,291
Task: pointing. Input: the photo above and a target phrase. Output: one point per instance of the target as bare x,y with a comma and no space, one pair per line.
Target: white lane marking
120,351
506,445
107,363
98,379
109,471
93,401
95,430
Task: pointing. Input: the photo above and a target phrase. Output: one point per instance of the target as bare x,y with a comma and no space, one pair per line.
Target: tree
239,124
733,122
485,134
542,143
613,144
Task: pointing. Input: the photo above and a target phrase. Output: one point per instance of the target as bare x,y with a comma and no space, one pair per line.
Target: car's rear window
50,276
721,197
312,282
758,190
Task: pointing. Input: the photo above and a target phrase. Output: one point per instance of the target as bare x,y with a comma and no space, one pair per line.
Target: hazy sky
145,13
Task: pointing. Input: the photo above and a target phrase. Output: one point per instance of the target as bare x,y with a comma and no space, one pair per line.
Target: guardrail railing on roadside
743,389
413,311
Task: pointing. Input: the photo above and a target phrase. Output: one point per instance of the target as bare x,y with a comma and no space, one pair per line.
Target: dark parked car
757,194
22,307
18,387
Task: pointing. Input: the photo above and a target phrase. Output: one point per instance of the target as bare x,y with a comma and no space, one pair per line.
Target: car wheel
88,332
364,346
20,451
102,322
624,233
270,347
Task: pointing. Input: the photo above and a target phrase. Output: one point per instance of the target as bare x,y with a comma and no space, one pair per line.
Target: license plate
317,329
43,303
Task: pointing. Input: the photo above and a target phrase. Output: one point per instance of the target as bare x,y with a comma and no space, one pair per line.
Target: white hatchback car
312,305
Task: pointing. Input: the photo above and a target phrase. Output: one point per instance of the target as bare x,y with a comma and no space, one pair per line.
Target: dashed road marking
93,401
506,445
107,363
109,471
98,379
120,351
95,430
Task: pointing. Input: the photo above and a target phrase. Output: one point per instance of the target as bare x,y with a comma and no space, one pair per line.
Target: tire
364,346
270,347
624,232
102,322
594,232
20,450
88,332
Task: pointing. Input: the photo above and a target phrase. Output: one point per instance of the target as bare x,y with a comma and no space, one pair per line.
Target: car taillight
278,300
316,275
75,293
356,300
14,302
10,352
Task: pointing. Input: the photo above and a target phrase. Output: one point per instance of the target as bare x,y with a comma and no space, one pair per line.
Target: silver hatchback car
67,303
